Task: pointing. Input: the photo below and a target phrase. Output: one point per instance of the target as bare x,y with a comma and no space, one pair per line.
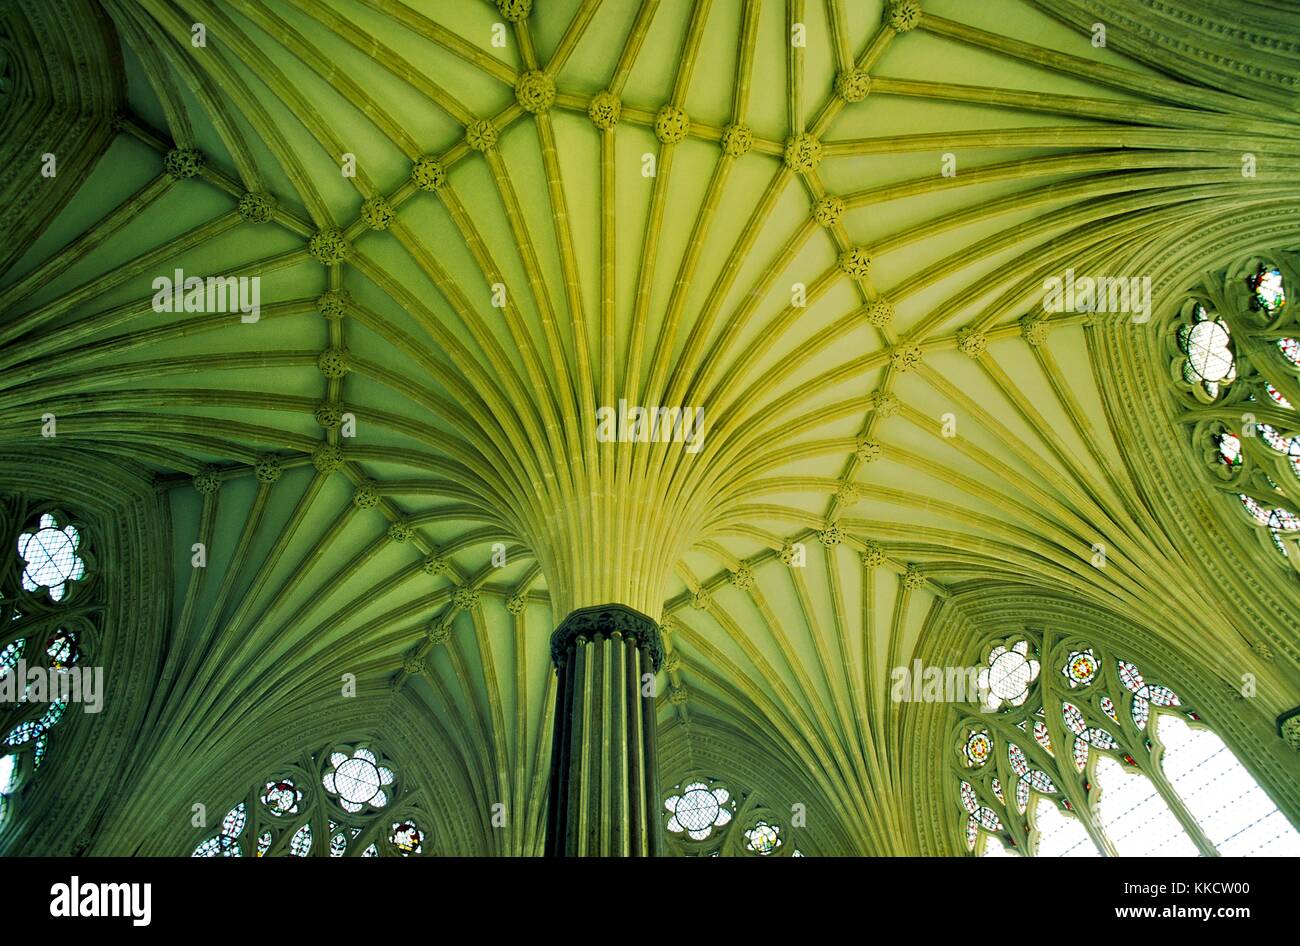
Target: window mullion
1064,773
1152,770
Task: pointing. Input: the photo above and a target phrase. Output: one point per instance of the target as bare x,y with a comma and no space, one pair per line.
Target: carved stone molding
605,621
119,511
1225,47
1288,727
64,85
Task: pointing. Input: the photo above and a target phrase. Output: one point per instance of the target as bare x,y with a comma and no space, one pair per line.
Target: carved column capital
603,621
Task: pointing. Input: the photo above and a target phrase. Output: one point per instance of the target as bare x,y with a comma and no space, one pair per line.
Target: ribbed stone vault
667,203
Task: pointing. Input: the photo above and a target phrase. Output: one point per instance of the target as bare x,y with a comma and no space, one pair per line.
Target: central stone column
604,788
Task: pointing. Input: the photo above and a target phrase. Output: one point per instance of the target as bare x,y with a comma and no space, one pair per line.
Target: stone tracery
477,411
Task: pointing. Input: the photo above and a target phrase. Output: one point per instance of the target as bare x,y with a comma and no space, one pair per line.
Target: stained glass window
36,731
1144,694
1029,779
300,843
1277,541
1060,834
63,652
995,848
406,838
1290,348
1151,777
1268,295
343,789
1008,675
1207,344
1080,668
1236,814
358,780
226,843
704,817
978,747
338,843
1043,737
1207,360
763,838
10,655
233,824
978,816
63,649
1276,395
52,618
8,769
1282,520
698,810
1085,736
281,798
1289,446
50,557
1229,449
1135,817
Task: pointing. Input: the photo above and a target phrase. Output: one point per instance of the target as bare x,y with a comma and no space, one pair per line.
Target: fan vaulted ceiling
836,251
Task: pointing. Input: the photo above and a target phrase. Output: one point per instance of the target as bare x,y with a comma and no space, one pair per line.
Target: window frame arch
1138,748
368,832
31,619
748,813
1247,409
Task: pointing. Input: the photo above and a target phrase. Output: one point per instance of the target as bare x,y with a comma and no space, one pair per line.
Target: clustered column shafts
604,784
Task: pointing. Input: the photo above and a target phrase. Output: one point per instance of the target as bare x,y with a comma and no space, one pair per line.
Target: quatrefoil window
50,557
1207,343
698,810
1009,673
358,780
